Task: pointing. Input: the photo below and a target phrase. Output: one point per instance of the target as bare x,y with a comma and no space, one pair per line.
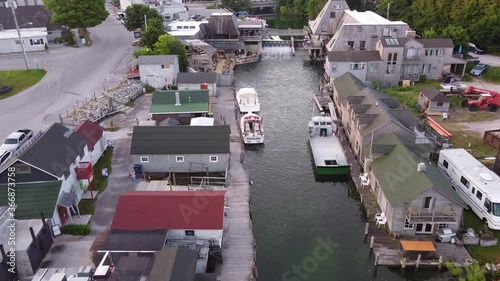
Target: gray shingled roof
360,108
222,24
37,14
196,78
156,59
55,150
434,94
129,240
437,43
174,264
323,21
353,56
167,140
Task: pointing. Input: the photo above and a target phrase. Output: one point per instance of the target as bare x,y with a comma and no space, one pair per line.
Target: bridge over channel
263,3
285,32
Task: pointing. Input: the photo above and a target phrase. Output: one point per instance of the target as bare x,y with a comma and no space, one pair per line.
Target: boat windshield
496,209
10,141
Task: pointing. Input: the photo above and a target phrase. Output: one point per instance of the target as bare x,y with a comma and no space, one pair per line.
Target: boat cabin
322,126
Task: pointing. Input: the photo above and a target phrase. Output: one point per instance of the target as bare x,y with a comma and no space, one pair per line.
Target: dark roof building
55,150
147,140
353,56
37,14
164,210
128,240
174,264
196,78
92,131
434,94
222,24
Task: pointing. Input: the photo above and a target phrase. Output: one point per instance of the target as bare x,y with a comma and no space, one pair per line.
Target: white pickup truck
15,140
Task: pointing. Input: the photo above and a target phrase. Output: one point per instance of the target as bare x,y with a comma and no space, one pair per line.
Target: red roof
163,210
91,131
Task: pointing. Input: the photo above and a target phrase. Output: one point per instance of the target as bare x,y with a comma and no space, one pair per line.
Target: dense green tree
152,32
169,45
77,13
237,5
430,33
487,32
457,33
134,16
398,9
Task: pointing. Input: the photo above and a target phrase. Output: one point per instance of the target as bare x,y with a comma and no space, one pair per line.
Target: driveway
74,73
488,59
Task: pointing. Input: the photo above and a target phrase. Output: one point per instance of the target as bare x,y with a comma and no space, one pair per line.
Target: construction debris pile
95,108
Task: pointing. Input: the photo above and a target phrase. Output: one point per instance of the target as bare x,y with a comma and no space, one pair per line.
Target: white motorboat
248,100
251,129
328,153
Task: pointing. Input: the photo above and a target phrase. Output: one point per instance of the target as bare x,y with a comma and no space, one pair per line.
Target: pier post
376,259
417,264
366,228
372,241
403,263
360,197
440,264
368,214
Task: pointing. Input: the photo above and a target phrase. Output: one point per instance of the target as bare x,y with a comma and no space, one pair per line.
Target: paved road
74,73
488,59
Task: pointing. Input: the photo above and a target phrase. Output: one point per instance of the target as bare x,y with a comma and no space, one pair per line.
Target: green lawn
482,254
104,162
19,80
87,206
408,96
492,75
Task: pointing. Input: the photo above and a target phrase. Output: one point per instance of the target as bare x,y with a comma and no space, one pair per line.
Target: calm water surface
294,215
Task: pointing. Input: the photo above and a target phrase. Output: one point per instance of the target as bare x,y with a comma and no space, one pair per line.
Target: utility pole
388,9
145,22
13,5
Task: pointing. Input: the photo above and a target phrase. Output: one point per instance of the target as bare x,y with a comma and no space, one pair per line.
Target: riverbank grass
19,80
482,254
492,75
408,96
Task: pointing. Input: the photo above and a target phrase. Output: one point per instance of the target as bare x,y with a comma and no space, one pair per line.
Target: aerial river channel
304,229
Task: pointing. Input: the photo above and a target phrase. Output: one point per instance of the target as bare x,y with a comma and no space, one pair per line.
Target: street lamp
13,5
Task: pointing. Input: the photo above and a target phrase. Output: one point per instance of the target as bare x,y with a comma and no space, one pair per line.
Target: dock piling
366,228
440,264
372,241
417,264
376,259
403,263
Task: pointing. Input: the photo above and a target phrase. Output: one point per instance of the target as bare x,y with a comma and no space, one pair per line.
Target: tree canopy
152,32
134,16
166,45
78,14
237,5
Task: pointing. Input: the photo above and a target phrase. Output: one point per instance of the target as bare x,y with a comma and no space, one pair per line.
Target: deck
386,249
238,251
322,101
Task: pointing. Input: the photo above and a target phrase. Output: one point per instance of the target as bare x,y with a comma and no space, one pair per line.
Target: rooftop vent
421,167
177,99
68,133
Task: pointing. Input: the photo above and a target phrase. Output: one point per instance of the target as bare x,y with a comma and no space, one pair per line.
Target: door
63,214
423,228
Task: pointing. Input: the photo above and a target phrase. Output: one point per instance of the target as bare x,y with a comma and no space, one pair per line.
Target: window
391,63
350,44
192,27
214,158
324,28
426,68
144,159
337,7
445,164
431,52
332,15
408,225
360,29
362,45
22,169
357,66
441,226
479,195
439,52
411,53
186,27
36,42
179,158
427,202
373,67
386,32
18,42
487,204
334,68
439,103
464,181
189,233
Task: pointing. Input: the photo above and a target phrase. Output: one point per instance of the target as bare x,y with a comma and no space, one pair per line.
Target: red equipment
489,100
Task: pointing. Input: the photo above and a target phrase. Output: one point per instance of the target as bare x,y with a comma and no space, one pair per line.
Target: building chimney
33,236
410,33
177,99
421,167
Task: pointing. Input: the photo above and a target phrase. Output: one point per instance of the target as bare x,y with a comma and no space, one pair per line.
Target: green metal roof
397,172
191,101
33,198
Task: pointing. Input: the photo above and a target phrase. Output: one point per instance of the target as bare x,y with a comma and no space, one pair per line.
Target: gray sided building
181,149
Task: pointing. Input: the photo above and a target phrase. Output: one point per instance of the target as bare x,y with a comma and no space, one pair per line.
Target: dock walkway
238,251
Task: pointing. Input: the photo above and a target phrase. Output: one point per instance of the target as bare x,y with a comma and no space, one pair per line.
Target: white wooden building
34,39
158,71
197,81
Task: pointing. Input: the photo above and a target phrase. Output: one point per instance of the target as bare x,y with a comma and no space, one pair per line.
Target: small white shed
197,81
158,71
34,39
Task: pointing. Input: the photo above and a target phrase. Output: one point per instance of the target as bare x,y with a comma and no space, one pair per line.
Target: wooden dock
238,251
322,100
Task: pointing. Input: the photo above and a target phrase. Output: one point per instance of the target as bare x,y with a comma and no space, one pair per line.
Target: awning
67,199
418,246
